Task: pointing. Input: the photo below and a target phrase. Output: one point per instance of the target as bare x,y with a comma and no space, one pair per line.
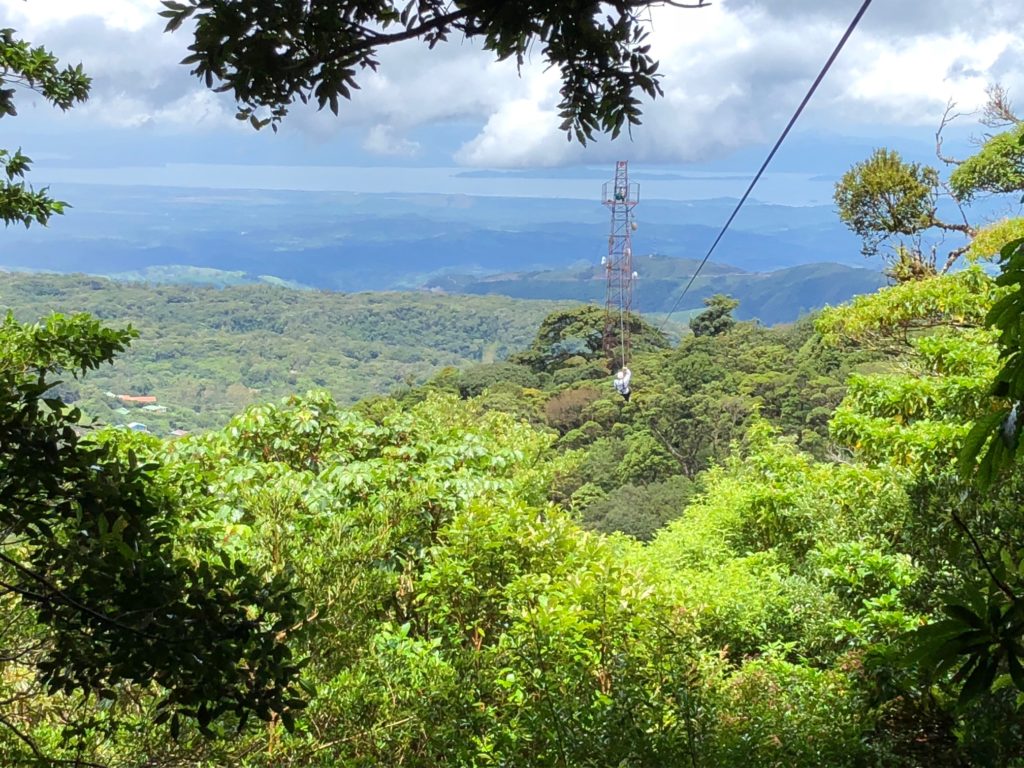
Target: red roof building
139,399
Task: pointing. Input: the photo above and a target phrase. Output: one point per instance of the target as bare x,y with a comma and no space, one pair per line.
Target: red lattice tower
621,196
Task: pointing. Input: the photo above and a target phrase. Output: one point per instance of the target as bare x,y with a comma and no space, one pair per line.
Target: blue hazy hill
347,241
781,295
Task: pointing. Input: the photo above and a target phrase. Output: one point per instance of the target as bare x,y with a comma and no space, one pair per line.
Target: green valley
204,353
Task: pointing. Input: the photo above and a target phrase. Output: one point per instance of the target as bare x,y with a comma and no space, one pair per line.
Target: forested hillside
786,547
206,353
780,296
635,464
796,489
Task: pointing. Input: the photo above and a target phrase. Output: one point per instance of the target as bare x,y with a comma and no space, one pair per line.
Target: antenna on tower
621,196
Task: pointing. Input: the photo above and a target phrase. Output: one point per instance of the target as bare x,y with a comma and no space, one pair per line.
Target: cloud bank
733,73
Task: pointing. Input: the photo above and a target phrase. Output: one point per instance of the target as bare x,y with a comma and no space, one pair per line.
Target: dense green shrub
637,510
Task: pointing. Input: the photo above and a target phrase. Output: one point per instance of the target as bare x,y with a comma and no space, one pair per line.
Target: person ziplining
621,383
621,197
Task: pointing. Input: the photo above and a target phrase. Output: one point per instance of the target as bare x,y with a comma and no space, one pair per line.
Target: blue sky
733,73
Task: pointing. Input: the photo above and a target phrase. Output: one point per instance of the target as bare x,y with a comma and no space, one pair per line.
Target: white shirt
622,382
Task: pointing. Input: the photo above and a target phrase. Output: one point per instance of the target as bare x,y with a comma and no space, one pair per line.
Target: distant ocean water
796,189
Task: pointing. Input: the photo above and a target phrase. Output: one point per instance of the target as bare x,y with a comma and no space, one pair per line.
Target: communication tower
621,196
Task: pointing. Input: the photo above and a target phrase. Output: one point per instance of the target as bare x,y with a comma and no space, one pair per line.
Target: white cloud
734,72
382,140
195,109
416,86
130,15
137,80
520,134
911,81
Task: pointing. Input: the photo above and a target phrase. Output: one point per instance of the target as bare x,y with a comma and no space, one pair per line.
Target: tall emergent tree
885,198
717,318
573,336
34,68
270,55
887,201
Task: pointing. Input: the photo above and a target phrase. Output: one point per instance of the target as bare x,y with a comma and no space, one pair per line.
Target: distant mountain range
783,260
772,297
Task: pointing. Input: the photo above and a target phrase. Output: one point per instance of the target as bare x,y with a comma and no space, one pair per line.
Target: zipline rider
621,382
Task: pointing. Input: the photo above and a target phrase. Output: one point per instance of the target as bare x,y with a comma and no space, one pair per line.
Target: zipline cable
771,155
622,331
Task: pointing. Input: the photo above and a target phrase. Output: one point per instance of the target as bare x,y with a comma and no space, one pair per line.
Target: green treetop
996,168
717,318
887,201
573,337
884,199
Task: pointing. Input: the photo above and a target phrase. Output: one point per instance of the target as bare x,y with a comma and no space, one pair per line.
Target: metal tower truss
621,196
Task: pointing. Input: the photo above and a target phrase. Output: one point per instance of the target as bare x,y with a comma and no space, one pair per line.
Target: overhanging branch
58,593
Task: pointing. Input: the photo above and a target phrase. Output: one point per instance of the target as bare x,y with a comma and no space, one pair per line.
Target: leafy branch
37,70
270,56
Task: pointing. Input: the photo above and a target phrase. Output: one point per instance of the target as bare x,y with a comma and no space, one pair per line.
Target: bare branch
998,110
56,593
953,256
673,3
980,554
948,116
963,215
10,656
384,38
38,756
678,457
965,228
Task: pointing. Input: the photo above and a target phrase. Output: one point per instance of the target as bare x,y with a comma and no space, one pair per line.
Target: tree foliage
919,418
991,446
992,238
95,547
207,353
822,583
717,318
462,618
996,168
571,338
34,68
893,317
885,197
271,55
889,202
